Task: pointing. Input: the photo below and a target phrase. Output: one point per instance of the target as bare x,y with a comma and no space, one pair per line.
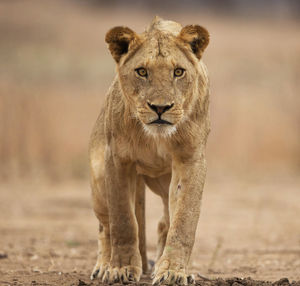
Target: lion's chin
162,130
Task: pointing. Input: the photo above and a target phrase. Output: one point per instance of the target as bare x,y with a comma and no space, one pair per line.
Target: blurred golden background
55,70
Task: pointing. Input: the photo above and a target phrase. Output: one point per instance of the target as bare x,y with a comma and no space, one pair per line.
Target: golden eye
142,72
179,72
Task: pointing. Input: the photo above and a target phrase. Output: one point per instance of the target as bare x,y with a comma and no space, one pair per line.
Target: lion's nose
160,109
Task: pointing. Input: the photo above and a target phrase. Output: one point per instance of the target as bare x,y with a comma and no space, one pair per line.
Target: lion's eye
179,72
141,72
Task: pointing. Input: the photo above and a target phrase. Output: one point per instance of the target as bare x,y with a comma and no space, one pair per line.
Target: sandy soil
48,232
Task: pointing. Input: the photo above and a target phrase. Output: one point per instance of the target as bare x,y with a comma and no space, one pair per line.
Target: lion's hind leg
140,216
160,186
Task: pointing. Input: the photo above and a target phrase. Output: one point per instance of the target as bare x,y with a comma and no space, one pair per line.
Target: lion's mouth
160,121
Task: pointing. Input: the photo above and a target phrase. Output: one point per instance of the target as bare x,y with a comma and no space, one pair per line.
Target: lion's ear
196,37
119,40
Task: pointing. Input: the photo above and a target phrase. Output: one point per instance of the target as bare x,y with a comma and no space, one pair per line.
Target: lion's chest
151,157
153,160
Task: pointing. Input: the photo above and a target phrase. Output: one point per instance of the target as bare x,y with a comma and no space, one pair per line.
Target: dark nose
160,109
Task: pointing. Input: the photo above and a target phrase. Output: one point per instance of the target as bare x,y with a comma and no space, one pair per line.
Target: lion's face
159,81
159,74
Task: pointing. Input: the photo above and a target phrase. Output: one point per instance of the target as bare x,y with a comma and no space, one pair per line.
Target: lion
152,132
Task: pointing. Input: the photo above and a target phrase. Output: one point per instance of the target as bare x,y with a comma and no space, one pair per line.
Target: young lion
152,131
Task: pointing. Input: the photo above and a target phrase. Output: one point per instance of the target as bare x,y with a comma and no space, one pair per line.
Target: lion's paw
125,275
165,275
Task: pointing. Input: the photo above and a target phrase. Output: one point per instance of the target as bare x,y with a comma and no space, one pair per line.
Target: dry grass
56,69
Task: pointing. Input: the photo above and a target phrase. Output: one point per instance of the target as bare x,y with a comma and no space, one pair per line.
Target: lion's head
160,71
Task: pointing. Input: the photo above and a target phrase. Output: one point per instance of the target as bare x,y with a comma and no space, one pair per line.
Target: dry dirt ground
247,229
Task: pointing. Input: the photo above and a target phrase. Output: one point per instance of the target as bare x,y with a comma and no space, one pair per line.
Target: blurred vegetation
281,8
55,70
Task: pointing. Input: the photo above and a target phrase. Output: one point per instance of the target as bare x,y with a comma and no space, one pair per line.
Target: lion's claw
105,278
94,274
131,278
191,279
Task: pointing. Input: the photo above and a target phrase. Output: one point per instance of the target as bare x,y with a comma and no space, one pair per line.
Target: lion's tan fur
126,152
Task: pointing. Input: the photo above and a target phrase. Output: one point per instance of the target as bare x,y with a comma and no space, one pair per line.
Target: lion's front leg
185,198
125,263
